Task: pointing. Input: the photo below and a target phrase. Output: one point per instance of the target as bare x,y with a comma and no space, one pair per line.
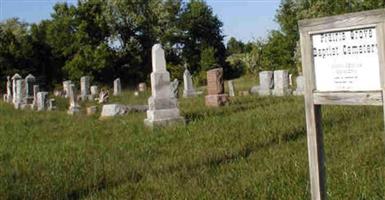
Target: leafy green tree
234,46
16,50
208,60
201,29
79,35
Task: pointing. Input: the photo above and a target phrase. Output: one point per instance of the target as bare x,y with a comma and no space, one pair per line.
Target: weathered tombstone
300,82
281,83
215,88
291,79
231,88
51,104
343,63
188,87
19,94
112,110
266,83
254,90
163,108
58,93
9,90
142,87
36,89
74,106
174,88
84,87
117,87
103,96
42,101
66,88
14,79
94,92
29,82
92,110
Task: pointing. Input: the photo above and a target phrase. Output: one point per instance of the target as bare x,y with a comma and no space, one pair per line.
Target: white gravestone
112,110
94,92
29,82
231,88
174,88
84,87
291,79
51,104
36,89
103,96
74,106
19,94
66,88
117,87
142,87
266,83
14,79
188,87
9,90
163,106
42,101
346,60
281,83
300,82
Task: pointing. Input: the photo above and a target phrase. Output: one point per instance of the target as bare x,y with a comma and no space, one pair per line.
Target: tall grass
254,148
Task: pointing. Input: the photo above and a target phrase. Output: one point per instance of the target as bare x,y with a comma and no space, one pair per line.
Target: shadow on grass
103,184
243,153
233,107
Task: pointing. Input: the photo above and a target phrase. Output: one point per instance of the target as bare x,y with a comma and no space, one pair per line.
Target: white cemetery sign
346,60
343,64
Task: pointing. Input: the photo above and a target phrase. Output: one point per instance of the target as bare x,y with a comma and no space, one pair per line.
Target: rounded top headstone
30,77
16,76
158,58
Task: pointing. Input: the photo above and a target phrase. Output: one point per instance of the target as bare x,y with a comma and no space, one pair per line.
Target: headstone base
92,110
281,92
298,93
189,93
264,92
163,117
73,111
216,100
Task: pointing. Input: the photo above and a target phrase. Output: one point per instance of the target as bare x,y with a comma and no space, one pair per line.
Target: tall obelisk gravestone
163,106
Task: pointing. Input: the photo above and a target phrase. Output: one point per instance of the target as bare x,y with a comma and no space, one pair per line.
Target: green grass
254,148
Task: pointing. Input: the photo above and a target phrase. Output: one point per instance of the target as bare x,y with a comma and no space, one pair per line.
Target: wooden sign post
343,64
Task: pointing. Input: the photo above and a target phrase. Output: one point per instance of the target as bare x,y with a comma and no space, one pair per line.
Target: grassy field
254,148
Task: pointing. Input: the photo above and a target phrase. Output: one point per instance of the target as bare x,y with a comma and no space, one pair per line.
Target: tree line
280,49
109,39
113,38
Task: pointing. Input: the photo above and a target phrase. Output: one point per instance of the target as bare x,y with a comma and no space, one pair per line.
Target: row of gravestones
88,92
162,105
25,93
277,83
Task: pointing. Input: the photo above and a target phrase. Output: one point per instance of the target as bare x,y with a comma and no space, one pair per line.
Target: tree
201,30
235,47
79,35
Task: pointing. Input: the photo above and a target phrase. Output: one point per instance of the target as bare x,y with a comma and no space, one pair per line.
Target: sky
245,20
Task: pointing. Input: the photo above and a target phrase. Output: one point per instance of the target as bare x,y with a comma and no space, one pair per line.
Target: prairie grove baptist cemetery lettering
346,60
